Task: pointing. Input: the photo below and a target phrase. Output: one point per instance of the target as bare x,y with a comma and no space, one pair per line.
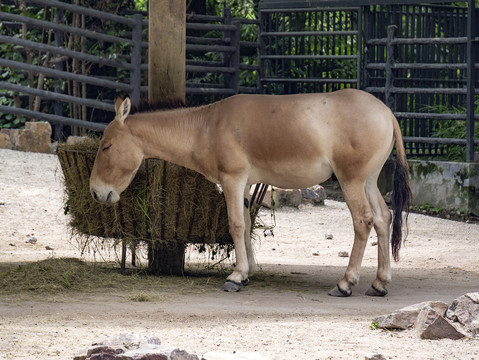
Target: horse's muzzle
104,196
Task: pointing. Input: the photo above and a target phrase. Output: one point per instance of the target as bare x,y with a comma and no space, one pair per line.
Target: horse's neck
168,135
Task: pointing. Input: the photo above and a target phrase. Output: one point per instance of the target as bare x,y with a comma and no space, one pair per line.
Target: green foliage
71,42
454,129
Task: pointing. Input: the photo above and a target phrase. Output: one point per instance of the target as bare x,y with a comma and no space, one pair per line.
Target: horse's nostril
95,196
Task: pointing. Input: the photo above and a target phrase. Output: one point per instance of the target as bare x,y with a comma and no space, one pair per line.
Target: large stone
35,138
406,317
237,355
282,197
374,356
294,197
433,326
13,136
465,311
133,347
5,142
314,195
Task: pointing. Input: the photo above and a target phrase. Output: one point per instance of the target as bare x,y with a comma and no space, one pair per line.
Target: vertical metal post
261,51
58,107
359,46
232,59
388,95
135,74
471,77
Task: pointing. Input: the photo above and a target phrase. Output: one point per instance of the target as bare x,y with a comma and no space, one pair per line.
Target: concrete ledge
440,184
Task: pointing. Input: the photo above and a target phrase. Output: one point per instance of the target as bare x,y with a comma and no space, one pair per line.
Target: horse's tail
401,199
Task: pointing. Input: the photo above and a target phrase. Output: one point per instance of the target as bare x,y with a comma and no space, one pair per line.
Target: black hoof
338,292
245,282
372,291
232,286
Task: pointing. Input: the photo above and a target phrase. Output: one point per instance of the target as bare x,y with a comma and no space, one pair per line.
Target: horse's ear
123,110
118,101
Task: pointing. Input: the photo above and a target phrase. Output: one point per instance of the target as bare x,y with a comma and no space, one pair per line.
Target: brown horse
289,141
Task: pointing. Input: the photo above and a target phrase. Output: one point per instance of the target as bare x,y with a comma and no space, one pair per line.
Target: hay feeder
166,205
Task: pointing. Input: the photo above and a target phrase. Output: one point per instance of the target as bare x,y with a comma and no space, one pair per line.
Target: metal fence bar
52,118
419,41
84,11
135,73
438,141
56,96
471,59
66,75
308,80
404,90
420,66
73,30
65,52
310,57
309,33
435,116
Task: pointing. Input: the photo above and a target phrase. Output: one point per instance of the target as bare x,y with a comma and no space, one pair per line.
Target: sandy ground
277,321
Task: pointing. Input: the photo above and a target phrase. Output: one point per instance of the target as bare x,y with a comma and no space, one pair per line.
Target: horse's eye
107,147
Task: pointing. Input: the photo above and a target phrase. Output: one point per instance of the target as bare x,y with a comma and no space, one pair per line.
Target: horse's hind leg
358,204
247,236
382,220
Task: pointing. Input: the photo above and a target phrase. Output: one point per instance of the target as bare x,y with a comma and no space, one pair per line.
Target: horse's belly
292,175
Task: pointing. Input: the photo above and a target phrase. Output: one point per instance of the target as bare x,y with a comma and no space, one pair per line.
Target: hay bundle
164,203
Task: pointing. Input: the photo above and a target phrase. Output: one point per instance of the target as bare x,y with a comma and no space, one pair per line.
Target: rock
282,197
465,311
133,347
178,354
237,355
374,357
5,142
31,239
433,326
406,317
12,135
314,195
35,138
343,254
328,235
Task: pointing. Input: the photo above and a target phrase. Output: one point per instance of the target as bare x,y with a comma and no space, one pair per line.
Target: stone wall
440,184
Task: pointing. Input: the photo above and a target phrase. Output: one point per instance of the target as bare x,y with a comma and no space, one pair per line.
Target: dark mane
147,106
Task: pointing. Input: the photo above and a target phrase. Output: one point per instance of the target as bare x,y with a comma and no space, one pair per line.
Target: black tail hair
401,200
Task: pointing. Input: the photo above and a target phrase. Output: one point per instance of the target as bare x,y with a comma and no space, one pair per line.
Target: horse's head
118,158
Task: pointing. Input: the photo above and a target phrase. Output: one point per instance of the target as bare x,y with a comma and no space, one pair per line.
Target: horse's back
304,138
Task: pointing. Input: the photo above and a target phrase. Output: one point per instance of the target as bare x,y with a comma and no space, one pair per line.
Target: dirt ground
285,314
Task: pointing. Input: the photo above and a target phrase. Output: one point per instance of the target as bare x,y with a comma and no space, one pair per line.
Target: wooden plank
167,49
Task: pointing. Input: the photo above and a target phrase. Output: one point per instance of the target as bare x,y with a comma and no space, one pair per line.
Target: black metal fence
417,62
73,72
309,50
425,67
421,59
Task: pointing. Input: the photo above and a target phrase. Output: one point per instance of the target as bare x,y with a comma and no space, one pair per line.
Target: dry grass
56,276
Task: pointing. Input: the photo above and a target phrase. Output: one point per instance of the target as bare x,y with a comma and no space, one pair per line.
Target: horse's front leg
233,190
